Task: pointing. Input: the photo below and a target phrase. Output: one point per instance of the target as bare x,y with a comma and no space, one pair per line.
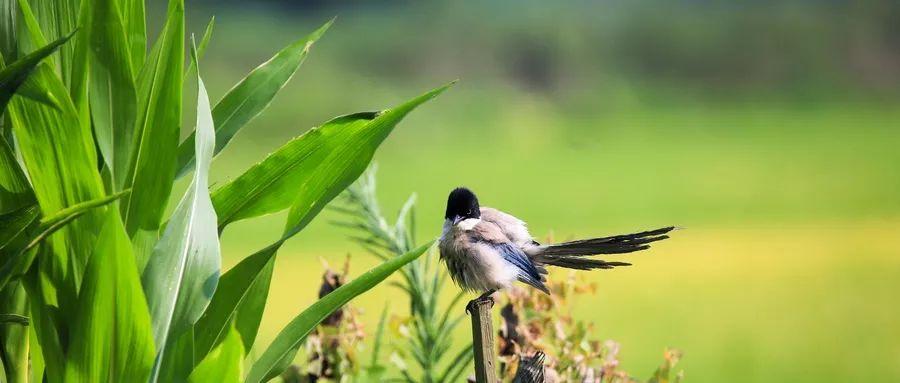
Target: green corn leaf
15,74
204,42
223,363
283,349
17,251
8,16
58,153
112,93
15,190
183,271
14,333
134,20
111,336
252,95
158,123
240,299
310,170
46,321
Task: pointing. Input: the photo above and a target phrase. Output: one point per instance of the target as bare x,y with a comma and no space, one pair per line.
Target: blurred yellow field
813,302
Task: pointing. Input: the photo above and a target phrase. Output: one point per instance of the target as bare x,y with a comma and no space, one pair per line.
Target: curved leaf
240,298
183,270
282,350
158,124
312,169
223,364
112,339
252,95
14,75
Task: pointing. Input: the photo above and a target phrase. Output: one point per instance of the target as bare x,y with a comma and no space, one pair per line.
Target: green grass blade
183,272
112,93
15,74
111,336
240,299
223,363
252,95
45,320
348,155
283,349
310,170
158,123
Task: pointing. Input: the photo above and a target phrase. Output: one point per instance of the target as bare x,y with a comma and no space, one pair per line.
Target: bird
486,250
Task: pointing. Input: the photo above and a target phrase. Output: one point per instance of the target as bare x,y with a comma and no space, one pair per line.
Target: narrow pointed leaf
281,352
158,124
252,95
15,190
183,271
58,153
310,170
201,49
347,161
112,93
15,74
223,363
112,340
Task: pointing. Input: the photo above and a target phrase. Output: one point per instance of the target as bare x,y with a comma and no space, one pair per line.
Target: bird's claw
487,297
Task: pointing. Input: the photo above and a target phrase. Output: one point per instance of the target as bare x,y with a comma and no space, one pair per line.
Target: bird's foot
486,297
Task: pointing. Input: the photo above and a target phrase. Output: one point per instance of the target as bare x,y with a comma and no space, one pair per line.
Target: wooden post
483,340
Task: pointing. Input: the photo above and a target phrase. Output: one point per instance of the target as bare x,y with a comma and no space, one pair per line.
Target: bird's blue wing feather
528,273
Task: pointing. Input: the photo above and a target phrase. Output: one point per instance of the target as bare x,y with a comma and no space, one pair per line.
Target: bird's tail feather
570,254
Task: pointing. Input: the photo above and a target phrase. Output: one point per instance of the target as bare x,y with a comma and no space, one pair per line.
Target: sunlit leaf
252,95
310,170
158,124
283,349
223,363
183,270
15,74
112,94
112,340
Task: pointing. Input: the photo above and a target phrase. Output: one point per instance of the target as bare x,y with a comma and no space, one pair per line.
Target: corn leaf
112,94
201,49
58,153
158,123
17,254
223,363
240,299
310,170
252,95
183,271
8,16
112,340
283,349
15,74
14,333
134,21
15,191
46,322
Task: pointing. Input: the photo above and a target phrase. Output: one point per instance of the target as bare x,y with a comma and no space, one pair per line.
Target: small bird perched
487,250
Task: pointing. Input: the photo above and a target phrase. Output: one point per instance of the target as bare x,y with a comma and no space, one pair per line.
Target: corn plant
97,283
430,323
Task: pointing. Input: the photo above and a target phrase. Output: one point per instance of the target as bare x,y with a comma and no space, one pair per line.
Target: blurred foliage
538,323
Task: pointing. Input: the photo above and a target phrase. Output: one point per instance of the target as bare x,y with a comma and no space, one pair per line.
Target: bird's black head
462,204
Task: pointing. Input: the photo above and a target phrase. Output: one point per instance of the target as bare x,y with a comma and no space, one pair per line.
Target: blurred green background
769,130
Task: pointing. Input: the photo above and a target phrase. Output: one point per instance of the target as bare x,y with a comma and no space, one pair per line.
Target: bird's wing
492,234
513,229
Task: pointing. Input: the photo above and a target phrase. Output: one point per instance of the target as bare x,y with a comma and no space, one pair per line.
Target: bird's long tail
571,255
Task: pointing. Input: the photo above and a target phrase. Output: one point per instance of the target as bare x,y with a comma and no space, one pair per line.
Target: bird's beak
457,219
